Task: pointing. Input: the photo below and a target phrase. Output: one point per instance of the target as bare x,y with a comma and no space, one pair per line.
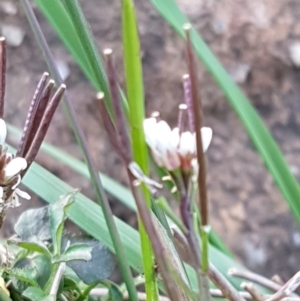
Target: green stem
135,96
204,241
165,207
51,278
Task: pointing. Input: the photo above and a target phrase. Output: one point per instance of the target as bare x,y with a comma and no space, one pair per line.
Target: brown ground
253,40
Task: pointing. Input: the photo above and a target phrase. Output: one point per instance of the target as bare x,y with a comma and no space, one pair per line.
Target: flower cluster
172,149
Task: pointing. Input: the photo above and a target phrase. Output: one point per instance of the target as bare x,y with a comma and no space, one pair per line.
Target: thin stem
81,140
287,289
215,293
109,126
57,279
163,204
197,110
187,97
223,284
187,218
144,213
119,114
181,117
2,74
253,291
252,277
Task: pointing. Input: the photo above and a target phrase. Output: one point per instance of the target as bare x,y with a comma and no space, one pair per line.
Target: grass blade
254,125
135,96
86,41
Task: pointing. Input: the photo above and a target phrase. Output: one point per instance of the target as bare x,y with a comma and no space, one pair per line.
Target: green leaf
71,280
25,274
93,59
34,293
58,17
254,125
58,215
43,268
99,268
37,246
75,252
33,224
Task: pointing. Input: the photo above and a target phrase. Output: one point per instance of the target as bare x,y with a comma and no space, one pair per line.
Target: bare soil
254,40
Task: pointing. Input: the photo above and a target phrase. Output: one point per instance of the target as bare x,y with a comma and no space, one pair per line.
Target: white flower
170,149
163,143
10,174
3,131
13,168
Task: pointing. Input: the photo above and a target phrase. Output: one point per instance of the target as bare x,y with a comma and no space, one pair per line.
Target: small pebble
218,27
63,68
8,8
14,35
296,239
239,72
256,256
294,51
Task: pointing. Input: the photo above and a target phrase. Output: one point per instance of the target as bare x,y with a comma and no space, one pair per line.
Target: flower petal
206,134
1,192
149,125
14,167
3,131
23,194
175,138
187,146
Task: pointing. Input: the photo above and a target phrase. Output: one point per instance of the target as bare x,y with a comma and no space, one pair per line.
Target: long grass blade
135,96
96,68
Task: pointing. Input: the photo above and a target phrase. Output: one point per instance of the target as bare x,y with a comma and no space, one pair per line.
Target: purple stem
120,120
181,117
110,129
2,74
186,82
197,113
